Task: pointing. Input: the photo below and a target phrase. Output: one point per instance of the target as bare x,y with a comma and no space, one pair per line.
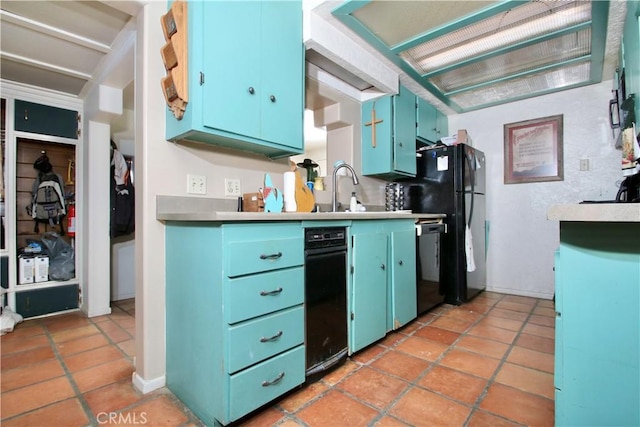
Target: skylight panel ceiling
497,51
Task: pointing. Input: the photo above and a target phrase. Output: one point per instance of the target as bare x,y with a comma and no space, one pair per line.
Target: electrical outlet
196,184
232,187
584,164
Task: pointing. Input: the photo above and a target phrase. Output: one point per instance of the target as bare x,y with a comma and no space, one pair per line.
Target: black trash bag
62,264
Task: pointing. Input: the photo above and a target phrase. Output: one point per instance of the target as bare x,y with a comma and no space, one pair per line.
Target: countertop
596,212
176,208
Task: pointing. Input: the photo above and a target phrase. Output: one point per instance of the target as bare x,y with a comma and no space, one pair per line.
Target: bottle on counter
353,203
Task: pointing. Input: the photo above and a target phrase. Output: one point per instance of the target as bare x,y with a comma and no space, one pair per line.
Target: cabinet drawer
262,383
246,257
252,296
253,341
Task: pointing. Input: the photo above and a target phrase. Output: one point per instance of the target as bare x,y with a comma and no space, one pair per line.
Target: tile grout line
503,360
67,374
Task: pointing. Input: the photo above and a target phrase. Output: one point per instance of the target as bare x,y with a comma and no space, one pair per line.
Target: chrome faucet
334,191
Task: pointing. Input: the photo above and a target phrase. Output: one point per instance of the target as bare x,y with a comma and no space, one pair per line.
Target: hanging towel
121,171
468,249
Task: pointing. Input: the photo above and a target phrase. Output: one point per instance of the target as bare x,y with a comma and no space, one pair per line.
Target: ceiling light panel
525,87
510,27
553,51
402,20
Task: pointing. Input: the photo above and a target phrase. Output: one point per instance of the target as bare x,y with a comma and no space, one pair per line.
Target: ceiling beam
53,31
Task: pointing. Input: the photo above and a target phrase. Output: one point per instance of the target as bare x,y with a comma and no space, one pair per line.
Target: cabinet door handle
273,292
400,262
273,338
251,90
276,380
272,98
26,115
272,256
382,266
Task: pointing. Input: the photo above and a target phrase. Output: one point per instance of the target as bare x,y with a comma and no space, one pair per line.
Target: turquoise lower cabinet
403,289
235,315
382,294
368,302
389,135
597,357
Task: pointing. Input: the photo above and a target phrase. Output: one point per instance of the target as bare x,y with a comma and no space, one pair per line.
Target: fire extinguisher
71,220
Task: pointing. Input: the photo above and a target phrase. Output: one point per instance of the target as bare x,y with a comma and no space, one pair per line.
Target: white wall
521,240
123,257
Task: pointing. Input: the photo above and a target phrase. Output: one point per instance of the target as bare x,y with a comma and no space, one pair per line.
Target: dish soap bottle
353,203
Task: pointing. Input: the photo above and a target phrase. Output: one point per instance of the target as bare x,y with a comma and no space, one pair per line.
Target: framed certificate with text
533,150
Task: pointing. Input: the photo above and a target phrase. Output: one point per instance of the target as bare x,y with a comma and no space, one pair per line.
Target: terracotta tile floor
486,363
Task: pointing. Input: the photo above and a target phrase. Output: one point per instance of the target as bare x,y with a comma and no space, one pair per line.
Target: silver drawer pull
272,256
273,338
273,292
276,380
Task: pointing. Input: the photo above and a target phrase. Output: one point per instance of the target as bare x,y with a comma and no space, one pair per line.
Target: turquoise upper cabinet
389,136
46,120
403,289
368,293
432,124
245,77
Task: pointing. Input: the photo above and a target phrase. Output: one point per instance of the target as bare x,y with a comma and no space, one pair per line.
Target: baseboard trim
120,297
520,292
147,386
100,312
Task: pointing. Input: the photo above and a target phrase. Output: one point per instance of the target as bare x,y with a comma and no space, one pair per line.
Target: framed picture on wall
533,150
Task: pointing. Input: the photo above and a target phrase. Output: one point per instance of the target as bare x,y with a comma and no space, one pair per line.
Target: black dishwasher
325,297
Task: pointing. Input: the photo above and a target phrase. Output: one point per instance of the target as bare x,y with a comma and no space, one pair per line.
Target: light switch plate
232,187
196,184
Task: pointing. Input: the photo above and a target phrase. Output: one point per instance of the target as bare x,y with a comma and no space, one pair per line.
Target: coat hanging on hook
122,195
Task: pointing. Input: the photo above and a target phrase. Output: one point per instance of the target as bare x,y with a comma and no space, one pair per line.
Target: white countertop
596,212
175,208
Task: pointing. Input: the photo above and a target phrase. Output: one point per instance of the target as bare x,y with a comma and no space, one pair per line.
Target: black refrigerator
451,180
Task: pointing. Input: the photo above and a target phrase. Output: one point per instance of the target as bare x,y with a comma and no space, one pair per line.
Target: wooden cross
373,124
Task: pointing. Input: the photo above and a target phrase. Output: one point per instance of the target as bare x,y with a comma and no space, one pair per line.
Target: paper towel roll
290,192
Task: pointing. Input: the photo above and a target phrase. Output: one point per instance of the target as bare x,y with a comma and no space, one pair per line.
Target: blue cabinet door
232,87
403,277
46,301
432,124
369,290
442,124
46,120
282,68
246,77
404,133
377,128
389,135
